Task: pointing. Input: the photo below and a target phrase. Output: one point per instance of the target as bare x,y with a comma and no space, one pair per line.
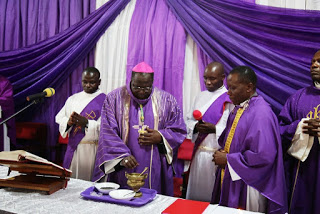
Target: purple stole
212,115
92,112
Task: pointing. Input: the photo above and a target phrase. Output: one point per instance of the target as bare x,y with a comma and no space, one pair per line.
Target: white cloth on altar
202,171
69,200
84,157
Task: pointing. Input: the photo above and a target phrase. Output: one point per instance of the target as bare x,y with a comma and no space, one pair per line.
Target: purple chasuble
256,156
7,109
212,115
92,112
118,137
305,103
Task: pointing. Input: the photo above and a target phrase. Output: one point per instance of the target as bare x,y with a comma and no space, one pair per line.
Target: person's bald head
214,76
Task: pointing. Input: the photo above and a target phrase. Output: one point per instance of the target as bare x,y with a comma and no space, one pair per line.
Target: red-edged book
186,207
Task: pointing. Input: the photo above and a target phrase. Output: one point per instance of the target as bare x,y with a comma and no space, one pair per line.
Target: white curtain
112,49
191,78
294,4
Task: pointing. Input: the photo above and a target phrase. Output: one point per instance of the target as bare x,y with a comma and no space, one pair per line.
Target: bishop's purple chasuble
118,137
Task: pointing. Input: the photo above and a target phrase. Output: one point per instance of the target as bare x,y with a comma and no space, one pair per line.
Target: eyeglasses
141,88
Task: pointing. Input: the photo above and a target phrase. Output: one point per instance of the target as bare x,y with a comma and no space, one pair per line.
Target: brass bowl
136,176
136,181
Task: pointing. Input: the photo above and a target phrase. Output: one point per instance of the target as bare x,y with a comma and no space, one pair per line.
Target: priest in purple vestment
6,110
250,174
299,127
141,126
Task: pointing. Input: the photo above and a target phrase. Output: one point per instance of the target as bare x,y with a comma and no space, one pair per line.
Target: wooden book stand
36,173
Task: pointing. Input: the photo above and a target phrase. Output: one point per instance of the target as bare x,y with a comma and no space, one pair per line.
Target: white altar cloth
70,201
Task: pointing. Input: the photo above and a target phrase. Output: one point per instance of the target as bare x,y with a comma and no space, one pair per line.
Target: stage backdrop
47,43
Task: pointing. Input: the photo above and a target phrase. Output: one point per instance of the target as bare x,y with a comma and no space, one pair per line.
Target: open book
36,173
25,162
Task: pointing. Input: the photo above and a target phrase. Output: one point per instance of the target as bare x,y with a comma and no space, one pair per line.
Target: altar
70,201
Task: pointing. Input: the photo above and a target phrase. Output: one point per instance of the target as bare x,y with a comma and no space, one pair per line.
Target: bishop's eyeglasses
148,88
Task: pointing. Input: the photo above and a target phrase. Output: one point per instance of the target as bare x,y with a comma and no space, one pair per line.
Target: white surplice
84,157
202,171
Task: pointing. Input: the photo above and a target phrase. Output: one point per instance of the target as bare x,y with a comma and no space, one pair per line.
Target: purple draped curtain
48,44
26,22
277,43
158,38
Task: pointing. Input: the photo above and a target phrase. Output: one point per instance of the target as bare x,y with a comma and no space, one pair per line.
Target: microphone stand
33,102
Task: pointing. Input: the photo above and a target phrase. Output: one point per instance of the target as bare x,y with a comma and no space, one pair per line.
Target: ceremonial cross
91,115
141,127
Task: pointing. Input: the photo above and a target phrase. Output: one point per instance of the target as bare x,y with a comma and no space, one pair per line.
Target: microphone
48,92
198,116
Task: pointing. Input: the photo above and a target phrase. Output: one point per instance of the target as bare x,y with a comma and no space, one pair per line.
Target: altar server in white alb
215,106
80,119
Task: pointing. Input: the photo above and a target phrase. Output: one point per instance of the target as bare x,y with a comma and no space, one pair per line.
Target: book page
4,176
23,156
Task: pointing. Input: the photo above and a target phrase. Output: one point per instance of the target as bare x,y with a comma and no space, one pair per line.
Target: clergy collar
245,103
317,84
